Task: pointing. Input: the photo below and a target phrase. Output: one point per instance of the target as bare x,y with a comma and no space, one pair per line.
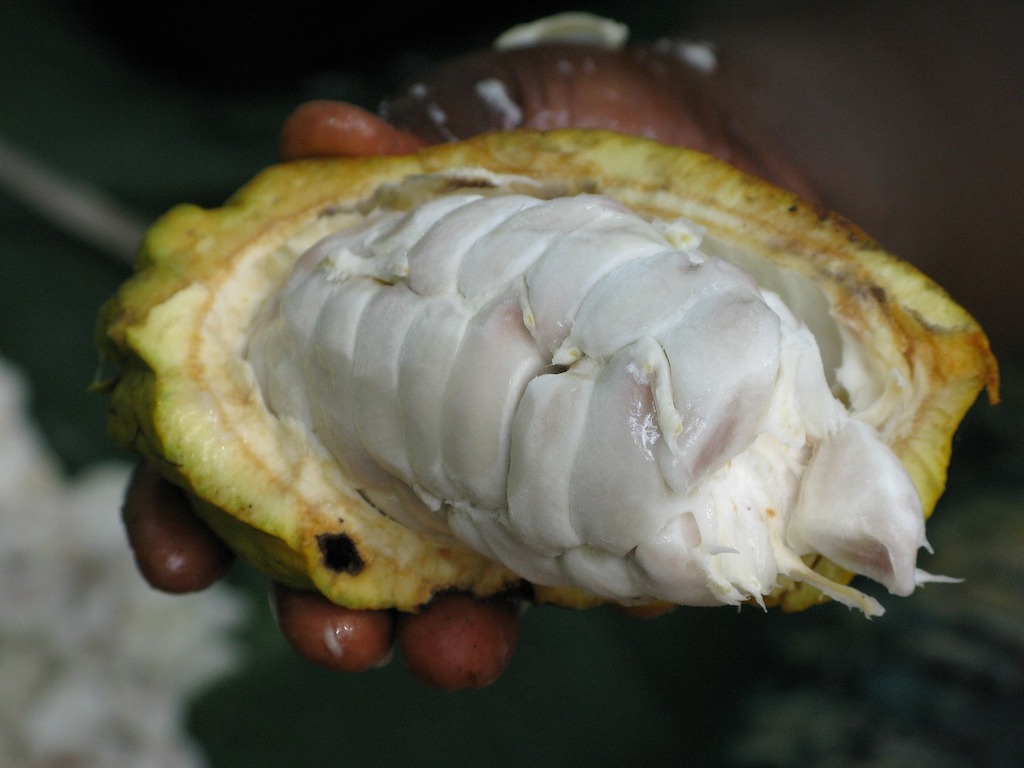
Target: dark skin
863,116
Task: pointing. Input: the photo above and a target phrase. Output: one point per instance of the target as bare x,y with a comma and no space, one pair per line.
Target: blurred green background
158,104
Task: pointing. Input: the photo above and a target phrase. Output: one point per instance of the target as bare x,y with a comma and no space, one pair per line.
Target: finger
334,128
174,550
339,638
459,642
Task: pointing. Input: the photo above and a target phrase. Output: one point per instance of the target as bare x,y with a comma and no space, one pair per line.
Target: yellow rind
183,398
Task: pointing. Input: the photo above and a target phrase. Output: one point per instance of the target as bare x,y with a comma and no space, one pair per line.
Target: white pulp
586,397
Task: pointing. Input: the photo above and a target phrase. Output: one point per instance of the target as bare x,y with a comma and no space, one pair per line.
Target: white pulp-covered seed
586,397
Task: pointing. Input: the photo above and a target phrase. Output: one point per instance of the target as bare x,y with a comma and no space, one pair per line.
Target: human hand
456,641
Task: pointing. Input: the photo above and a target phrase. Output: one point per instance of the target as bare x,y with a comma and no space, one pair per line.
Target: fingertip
174,550
324,128
457,642
342,639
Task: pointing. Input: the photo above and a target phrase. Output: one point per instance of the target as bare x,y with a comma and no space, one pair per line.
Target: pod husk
182,396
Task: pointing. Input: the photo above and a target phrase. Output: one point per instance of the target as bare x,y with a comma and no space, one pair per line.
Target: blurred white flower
96,668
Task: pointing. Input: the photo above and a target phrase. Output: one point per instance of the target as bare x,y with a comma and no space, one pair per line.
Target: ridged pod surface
355,368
